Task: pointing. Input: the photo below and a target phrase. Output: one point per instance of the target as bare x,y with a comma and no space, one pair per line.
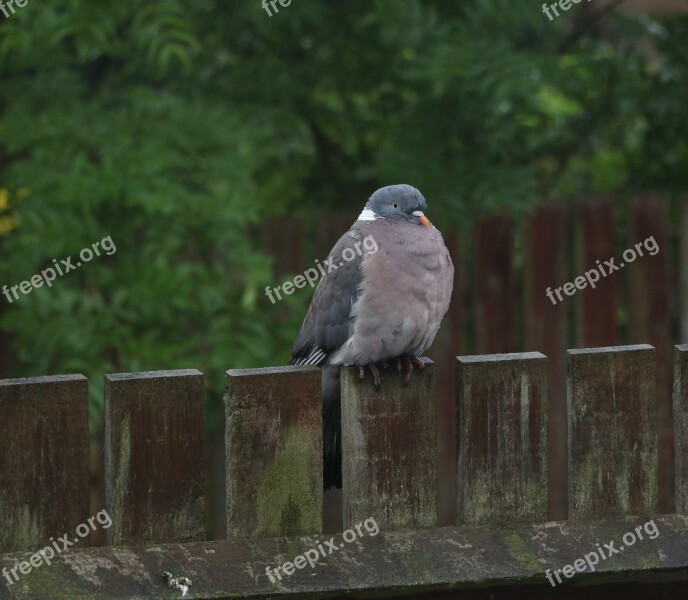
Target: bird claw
409,361
374,370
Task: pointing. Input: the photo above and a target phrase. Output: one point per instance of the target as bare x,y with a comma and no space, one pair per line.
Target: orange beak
422,219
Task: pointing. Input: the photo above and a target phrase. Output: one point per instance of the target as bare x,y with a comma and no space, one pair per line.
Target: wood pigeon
388,285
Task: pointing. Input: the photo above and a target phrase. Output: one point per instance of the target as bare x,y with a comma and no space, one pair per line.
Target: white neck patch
368,215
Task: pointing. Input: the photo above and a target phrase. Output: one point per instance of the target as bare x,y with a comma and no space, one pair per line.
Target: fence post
501,431
273,441
44,487
681,426
389,446
611,398
154,467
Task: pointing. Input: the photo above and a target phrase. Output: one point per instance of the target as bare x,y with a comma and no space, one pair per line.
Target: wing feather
328,322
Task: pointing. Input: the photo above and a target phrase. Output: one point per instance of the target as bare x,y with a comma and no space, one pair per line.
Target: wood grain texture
44,487
597,324
501,429
683,271
389,441
154,456
495,301
650,307
545,331
447,345
457,561
681,426
611,398
274,451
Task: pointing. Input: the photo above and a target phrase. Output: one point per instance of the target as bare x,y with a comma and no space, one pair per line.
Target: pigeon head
400,202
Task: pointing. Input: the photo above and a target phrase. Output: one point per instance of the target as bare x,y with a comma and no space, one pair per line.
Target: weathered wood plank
682,300
545,330
494,285
44,488
273,451
8,354
331,226
681,426
611,402
389,441
447,345
501,429
457,561
597,325
154,467
650,307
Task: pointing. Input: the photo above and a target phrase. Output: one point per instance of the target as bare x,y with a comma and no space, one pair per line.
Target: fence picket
44,486
273,441
611,398
681,426
495,301
501,429
389,440
545,331
598,306
154,467
650,308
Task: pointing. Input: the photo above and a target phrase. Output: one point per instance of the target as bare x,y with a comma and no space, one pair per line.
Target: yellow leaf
8,224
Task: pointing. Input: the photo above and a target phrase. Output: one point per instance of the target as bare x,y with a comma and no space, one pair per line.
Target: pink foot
409,361
374,370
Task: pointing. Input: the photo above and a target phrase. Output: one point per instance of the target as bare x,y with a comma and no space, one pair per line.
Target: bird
383,305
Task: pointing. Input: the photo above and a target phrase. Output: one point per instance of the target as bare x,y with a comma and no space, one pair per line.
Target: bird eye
395,205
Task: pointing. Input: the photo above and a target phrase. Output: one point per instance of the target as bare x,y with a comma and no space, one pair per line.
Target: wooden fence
504,264
500,546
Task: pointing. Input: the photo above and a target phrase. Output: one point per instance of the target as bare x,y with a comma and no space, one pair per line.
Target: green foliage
176,128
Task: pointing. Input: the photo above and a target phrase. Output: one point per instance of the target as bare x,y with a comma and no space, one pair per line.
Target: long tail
332,427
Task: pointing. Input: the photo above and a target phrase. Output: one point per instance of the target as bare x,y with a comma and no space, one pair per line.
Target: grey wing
328,322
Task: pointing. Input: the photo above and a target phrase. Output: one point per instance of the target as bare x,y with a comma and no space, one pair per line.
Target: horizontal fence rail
453,560
154,455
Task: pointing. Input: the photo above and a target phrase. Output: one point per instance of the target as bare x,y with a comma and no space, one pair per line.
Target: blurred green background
179,129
